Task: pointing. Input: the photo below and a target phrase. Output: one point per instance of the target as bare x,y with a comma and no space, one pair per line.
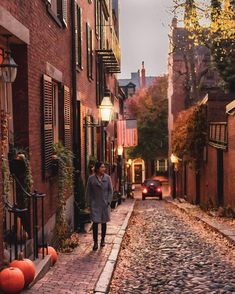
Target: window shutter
47,122
65,12
91,53
76,33
88,49
67,119
62,11
80,38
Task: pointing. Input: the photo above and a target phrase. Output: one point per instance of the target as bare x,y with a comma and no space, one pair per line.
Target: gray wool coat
99,195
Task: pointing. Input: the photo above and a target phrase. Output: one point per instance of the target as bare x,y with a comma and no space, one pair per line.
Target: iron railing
18,237
218,136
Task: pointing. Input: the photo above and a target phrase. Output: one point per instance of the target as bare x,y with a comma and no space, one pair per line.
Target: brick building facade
211,185
66,61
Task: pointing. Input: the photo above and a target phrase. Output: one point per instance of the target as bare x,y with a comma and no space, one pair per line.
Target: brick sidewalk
78,272
222,225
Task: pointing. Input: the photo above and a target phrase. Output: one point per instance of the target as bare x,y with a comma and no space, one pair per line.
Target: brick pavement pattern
78,272
167,251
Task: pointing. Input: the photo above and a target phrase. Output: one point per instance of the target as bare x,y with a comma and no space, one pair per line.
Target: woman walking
99,195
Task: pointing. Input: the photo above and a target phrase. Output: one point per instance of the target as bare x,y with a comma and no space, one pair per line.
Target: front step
42,267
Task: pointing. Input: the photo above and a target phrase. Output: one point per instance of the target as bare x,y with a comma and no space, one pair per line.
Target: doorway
138,173
220,177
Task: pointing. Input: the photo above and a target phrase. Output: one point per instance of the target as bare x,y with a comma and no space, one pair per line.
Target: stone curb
230,238
103,283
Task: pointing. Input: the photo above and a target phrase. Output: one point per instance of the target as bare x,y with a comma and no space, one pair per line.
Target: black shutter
76,33
88,49
65,12
67,119
80,37
62,11
47,122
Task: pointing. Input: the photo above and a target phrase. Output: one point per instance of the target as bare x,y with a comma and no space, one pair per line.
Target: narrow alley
166,251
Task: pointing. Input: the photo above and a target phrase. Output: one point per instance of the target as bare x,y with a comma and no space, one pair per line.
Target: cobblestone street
167,251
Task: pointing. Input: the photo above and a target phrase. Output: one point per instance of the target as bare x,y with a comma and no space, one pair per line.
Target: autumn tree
150,107
212,24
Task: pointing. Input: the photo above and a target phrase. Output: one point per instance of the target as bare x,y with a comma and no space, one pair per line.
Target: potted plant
115,199
65,179
81,212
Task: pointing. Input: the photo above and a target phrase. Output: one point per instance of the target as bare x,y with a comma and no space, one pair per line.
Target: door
220,177
138,173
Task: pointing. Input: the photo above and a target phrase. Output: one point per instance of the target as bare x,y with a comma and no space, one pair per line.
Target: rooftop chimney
174,23
143,77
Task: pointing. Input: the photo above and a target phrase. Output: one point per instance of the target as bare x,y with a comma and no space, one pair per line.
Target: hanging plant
5,178
4,130
64,158
190,134
20,166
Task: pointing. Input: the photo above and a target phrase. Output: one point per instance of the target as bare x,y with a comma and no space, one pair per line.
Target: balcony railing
111,55
218,136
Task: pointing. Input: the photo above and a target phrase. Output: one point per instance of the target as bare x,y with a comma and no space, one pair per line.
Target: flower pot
114,204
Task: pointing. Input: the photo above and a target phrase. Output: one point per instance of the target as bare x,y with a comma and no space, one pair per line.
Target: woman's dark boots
103,234
102,242
95,246
95,236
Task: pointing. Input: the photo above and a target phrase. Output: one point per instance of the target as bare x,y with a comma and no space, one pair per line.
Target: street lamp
106,108
8,66
174,161
120,150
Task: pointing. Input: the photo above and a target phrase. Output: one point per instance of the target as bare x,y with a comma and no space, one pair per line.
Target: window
97,18
103,44
1,55
90,143
89,41
56,118
78,36
59,11
130,91
55,112
161,165
100,80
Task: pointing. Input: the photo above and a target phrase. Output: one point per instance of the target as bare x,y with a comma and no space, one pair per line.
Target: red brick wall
209,179
229,166
191,184
87,88
1,214
48,43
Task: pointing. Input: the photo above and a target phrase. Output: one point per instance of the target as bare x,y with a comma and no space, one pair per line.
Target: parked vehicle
151,188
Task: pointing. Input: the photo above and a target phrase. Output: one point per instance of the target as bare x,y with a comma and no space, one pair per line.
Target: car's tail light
145,190
158,189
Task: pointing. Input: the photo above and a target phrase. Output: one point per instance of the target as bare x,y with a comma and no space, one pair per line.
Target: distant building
137,81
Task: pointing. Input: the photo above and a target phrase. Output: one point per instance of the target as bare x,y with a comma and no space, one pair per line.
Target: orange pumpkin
27,267
11,280
52,252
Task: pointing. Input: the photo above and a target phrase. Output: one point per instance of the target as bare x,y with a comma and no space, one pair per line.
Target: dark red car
151,188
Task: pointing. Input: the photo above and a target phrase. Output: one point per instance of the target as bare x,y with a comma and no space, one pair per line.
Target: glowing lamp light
8,68
174,158
145,190
129,161
106,109
120,150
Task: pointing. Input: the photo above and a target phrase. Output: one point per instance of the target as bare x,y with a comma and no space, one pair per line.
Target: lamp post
106,111
120,160
174,161
8,66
